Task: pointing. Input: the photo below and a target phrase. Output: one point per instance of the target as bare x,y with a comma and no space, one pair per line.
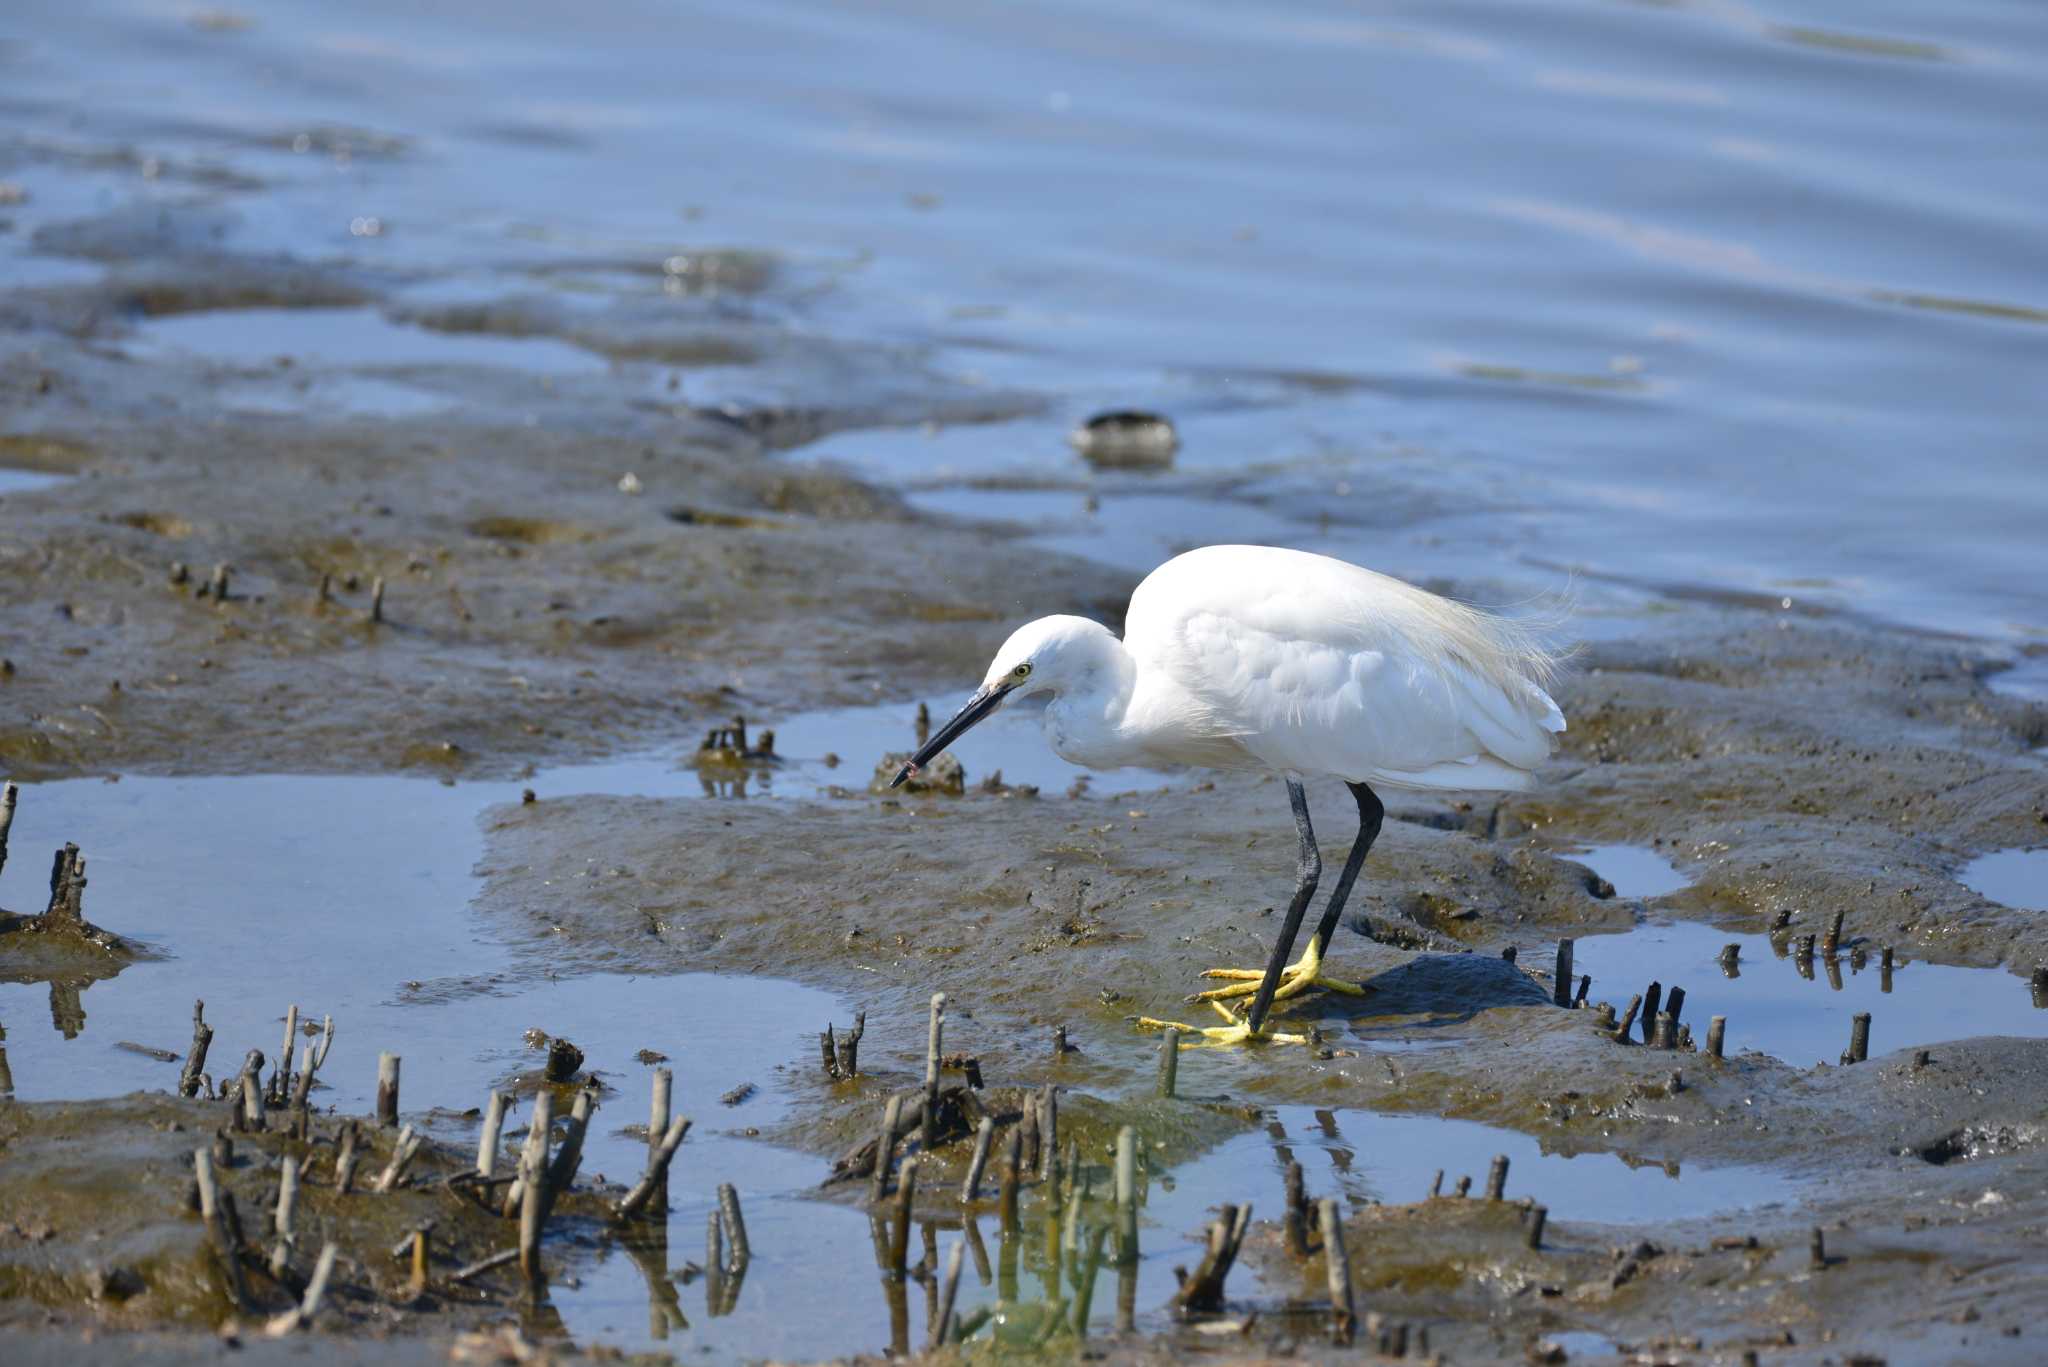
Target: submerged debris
1126,438
728,745
944,774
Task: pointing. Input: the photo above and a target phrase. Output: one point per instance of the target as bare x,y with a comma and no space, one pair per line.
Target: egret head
1049,655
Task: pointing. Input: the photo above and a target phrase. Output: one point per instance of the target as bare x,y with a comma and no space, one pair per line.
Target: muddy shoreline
600,575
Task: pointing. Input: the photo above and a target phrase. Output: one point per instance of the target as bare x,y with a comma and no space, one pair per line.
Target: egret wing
1318,666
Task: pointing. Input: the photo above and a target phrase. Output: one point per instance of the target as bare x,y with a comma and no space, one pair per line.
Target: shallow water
217,873
1675,297
1677,294
1636,871
2017,878
23,481
1774,1007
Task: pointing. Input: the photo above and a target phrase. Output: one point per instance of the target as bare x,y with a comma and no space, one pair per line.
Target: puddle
336,395
1394,1158
24,481
360,338
1580,1344
2028,679
409,848
1009,744
1775,1008
2013,878
1636,871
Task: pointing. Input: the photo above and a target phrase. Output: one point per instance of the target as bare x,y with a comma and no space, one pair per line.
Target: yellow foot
1238,1031
1298,977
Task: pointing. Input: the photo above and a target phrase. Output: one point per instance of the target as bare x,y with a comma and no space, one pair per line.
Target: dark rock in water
1126,439
564,1060
942,775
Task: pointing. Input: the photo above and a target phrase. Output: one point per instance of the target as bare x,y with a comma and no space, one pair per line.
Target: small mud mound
532,531
168,525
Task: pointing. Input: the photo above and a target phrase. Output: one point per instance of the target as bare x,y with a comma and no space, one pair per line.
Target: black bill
978,706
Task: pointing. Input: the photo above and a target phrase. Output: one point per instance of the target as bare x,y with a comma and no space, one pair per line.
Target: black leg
1370,814
1307,873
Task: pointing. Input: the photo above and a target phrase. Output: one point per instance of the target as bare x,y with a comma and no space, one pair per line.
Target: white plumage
1253,657
1316,666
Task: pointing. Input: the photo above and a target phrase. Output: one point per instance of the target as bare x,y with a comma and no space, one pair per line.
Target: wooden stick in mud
1027,1128
302,1087
849,1046
1585,986
281,1220
8,796
202,1040
418,1242
569,1157
1203,1291
1717,1029
252,1092
1126,1196
1436,1185
1664,1033
533,1154
984,1136
217,1228
828,1056
301,1315
483,1265
1169,1062
899,1228
735,1227
1013,1173
403,1152
1497,1178
1295,1222
933,1047
377,599
345,1161
387,1089
1622,1031
1653,1001
531,1197
1534,1231
1337,1269
1674,1003
1833,939
281,1081
1561,983
1859,1038
493,1135
885,1147
657,1169
326,1041
948,1291
1048,1131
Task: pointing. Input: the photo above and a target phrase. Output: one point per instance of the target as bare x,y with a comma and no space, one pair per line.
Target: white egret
1255,657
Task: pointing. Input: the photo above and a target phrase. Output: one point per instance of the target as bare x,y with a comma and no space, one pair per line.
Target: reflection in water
647,1246
1774,1011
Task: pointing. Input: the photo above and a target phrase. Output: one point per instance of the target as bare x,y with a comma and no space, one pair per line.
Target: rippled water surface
1724,295
1669,298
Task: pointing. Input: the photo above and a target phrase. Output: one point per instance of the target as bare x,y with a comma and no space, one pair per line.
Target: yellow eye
1022,671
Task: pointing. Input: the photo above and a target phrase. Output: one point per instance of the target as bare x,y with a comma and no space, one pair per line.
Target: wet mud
463,569
1791,770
